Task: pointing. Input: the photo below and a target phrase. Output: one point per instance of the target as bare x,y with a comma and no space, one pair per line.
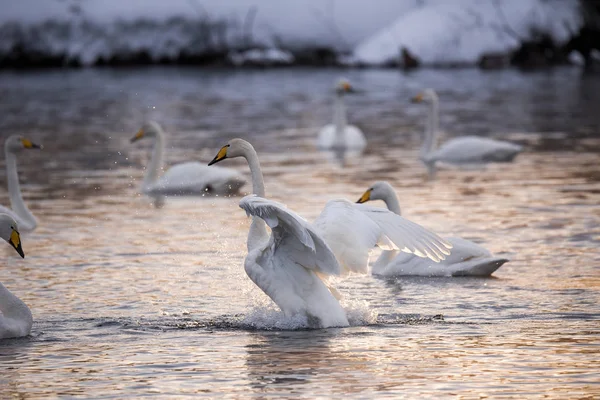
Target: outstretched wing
292,237
352,230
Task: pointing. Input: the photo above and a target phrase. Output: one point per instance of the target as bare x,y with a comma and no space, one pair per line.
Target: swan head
233,148
426,96
17,143
379,191
343,86
150,129
9,231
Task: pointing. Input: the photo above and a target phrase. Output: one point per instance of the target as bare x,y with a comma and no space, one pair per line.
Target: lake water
132,301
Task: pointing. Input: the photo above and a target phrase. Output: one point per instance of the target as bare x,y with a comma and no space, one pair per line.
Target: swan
15,316
191,178
461,150
291,264
466,259
13,145
340,135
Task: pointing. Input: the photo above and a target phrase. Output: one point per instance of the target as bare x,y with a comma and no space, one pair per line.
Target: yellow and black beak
418,98
15,241
138,136
221,155
365,197
28,144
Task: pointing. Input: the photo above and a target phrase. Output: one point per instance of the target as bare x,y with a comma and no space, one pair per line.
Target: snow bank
460,31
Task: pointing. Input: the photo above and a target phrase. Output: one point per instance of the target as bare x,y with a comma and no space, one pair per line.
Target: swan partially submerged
290,265
186,179
14,145
467,258
460,150
15,316
341,136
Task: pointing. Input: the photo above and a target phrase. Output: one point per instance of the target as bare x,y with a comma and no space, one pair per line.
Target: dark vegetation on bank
211,45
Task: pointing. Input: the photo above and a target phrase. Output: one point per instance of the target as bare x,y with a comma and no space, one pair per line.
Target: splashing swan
15,316
12,146
191,178
466,259
461,150
340,135
290,264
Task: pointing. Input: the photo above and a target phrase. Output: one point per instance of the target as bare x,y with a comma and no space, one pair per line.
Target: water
129,300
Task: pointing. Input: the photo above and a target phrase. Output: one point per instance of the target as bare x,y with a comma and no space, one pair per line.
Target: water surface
130,300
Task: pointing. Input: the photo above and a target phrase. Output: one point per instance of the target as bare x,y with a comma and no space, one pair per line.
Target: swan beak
221,155
28,144
418,98
15,241
138,136
365,197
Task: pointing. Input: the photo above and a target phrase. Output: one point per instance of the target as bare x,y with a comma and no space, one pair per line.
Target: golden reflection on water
128,298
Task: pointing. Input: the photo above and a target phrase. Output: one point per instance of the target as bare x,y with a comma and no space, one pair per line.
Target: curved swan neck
431,129
258,231
155,167
391,200
339,117
13,307
14,190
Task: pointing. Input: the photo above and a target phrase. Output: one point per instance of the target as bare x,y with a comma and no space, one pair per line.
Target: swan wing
352,230
474,149
292,236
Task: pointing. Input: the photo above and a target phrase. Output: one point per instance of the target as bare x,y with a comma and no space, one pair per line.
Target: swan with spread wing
467,258
291,263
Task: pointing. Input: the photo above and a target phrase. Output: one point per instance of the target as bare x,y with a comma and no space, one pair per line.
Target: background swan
340,135
467,258
15,316
461,150
191,178
289,264
14,145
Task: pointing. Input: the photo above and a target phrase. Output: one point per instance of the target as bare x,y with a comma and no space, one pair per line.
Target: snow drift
461,31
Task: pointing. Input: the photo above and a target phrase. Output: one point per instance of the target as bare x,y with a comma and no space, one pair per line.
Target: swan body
292,263
462,150
15,316
340,135
19,212
191,178
466,259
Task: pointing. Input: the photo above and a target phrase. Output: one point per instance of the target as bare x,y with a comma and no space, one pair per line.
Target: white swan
340,135
191,178
466,259
13,145
15,316
461,150
289,264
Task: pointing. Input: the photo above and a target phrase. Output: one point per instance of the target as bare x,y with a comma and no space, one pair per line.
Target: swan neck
155,167
391,201
14,189
13,307
431,129
339,117
258,230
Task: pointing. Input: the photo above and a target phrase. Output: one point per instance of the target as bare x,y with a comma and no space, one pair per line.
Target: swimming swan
291,263
340,135
466,259
12,146
15,316
461,150
191,178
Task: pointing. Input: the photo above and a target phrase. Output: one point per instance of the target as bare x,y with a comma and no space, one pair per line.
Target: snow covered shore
271,32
